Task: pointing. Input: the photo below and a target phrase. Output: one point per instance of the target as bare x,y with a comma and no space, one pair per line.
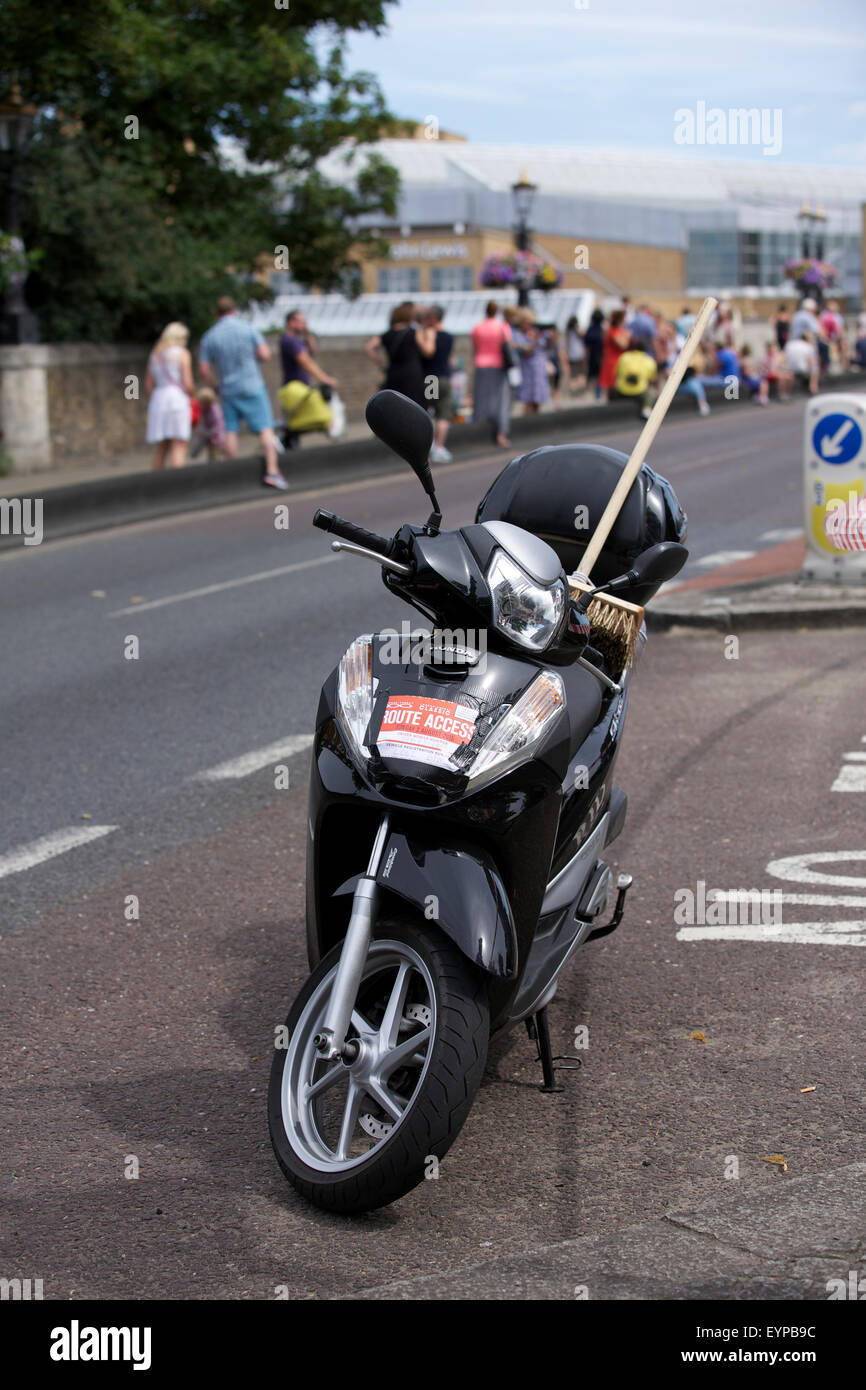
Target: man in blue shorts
235,349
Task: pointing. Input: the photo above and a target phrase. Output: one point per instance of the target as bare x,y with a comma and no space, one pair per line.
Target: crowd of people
515,358
233,389
629,354
184,420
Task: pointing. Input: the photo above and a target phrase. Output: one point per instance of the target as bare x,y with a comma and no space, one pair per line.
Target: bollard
834,488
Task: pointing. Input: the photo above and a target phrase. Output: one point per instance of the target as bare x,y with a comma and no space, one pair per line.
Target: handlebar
327,521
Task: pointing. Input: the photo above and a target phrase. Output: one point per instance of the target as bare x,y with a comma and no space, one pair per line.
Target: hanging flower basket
809,274
516,267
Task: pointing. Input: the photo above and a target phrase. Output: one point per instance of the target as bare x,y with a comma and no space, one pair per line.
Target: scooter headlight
522,726
356,689
530,614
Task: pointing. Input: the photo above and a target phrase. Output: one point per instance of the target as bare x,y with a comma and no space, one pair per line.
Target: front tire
354,1137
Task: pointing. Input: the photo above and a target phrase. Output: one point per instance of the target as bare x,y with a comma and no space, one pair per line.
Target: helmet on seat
559,493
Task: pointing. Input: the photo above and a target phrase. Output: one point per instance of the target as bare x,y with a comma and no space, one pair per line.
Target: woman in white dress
170,384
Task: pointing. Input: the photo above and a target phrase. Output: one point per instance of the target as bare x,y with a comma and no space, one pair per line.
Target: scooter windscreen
416,709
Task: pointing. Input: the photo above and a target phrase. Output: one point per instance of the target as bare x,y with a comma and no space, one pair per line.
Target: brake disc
378,1129
371,1124
419,1013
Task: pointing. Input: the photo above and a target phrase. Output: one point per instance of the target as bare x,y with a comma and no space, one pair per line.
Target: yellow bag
305,408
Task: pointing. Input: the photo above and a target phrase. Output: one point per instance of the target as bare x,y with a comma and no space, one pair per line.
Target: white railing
333,315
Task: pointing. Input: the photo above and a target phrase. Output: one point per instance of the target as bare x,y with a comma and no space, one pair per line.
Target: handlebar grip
327,521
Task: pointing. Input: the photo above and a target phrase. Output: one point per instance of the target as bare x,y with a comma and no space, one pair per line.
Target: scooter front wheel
354,1136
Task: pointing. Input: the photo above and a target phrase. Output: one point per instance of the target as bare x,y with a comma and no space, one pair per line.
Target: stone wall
76,405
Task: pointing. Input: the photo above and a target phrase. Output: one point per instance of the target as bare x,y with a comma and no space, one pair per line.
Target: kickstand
539,1032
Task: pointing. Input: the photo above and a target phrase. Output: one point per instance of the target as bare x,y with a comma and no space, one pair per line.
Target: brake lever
605,680
393,565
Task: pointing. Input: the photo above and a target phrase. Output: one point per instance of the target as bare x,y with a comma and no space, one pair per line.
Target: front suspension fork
330,1041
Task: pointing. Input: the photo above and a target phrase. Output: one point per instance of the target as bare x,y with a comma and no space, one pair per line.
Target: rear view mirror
406,428
654,566
659,564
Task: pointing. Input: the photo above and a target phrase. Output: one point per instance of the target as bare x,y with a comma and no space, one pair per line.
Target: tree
178,141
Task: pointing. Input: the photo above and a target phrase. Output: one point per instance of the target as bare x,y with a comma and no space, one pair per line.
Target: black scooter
461,802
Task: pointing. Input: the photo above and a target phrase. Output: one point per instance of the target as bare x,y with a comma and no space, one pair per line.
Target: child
459,390
210,427
756,384
773,370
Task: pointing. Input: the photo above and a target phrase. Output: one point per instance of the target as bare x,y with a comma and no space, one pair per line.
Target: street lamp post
812,223
17,323
523,193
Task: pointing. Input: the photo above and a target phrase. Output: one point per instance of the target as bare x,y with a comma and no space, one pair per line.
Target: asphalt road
149,1039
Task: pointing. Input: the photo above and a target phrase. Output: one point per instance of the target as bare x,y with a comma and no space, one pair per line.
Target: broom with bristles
615,623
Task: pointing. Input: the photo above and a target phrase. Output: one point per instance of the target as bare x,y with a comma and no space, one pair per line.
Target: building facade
665,227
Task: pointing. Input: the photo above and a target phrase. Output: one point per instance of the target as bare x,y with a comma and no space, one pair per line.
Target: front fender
458,889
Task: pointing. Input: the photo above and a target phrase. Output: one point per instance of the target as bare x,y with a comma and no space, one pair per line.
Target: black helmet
542,491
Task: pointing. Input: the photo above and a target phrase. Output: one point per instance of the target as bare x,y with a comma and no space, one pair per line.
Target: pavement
765,589
710,1142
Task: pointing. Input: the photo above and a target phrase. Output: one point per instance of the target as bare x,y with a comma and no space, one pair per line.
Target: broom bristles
614,627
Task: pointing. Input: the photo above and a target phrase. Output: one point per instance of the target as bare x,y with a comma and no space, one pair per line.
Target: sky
613,73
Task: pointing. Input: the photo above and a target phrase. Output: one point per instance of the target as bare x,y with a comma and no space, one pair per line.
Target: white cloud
499,16
850,154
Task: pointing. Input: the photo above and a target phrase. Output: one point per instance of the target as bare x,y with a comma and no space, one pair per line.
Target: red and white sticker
424,731
845,523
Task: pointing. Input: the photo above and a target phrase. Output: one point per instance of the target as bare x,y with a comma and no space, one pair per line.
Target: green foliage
234,102
14,260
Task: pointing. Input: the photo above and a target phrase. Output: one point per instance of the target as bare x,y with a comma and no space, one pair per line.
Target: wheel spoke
403,1051
395,1105
324,1082
360,1023
350,1120
394,1009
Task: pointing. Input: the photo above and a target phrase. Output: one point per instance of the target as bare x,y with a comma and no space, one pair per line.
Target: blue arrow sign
837,438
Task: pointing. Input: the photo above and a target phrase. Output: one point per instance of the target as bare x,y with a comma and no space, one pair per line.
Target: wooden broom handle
646,437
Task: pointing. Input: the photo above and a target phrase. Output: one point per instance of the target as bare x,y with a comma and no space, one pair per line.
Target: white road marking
792,933
851,778
254,761
854,757
221,588
725,557
49,846
797,868
740,895
781,533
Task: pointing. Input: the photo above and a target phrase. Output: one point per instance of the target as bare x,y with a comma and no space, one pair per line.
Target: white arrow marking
831,444
49,846
254,761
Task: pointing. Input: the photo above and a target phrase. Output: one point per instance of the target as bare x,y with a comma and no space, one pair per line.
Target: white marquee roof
680,178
